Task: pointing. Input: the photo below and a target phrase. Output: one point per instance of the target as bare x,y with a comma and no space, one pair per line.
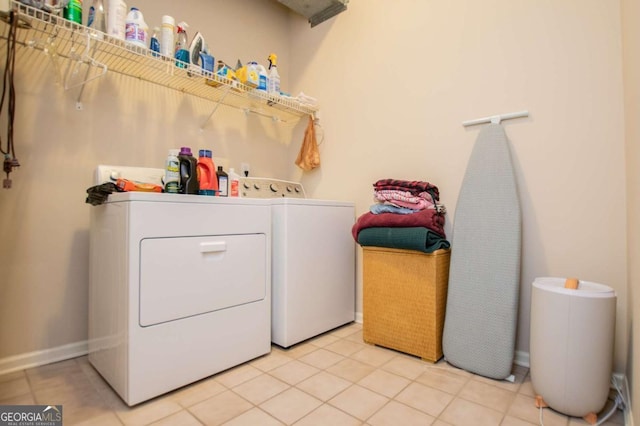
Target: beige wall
631,60
394,80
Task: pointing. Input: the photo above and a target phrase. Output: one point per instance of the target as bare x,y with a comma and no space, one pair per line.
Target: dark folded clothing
415,187
427,218
417,238
98,194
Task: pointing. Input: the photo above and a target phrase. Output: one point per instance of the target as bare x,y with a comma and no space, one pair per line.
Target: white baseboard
623,384
359,317
522,359
47,356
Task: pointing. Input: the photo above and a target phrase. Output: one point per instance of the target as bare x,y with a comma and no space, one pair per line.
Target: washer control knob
289,189
297,190
273,187
246,185
256,187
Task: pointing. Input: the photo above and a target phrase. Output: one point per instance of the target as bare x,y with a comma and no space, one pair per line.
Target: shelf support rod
495,119
224,95
88,57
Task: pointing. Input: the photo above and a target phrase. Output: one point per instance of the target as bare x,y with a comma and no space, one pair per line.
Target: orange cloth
309,156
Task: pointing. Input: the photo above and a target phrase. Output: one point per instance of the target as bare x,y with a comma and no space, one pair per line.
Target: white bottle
234,183
136,29
97,21
116,15
172,173
167,36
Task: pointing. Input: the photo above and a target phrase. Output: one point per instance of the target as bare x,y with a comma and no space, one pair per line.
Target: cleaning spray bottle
274,77
182,47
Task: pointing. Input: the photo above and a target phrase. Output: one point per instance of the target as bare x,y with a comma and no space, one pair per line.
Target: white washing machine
312,260
180,287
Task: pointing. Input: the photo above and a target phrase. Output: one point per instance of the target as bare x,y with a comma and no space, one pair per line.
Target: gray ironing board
484,276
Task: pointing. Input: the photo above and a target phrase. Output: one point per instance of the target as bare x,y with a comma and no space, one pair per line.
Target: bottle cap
185,150
166,19
219,168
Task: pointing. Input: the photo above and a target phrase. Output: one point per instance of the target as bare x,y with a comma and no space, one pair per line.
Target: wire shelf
58,37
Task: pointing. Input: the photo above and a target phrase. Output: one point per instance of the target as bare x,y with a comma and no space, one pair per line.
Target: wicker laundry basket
404,300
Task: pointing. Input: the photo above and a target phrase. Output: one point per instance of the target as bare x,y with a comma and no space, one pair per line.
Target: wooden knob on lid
571,283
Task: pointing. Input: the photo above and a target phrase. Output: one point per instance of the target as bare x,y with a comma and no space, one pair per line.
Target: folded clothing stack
406,215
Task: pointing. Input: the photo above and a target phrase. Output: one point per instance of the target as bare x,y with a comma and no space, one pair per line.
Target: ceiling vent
316,11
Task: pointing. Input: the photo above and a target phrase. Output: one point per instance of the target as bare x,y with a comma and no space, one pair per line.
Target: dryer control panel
251,187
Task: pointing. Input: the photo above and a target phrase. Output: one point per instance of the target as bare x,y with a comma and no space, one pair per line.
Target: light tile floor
334,379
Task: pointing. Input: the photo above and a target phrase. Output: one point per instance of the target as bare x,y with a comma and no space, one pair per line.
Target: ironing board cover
484,278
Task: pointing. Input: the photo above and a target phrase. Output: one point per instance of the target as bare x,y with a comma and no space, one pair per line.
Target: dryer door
186,276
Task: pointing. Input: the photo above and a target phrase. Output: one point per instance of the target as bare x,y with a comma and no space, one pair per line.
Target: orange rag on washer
309,156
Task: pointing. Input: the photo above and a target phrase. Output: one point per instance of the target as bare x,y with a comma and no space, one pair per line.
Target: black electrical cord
10,160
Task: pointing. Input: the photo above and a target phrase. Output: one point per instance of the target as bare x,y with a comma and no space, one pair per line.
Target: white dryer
313,260
180,289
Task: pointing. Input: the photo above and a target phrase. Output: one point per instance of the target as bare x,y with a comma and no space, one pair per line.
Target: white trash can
571,344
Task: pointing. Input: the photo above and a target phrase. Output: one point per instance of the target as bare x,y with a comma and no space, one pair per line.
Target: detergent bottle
73,11
182,48
188,171
274,77
172,173
136,29
207,178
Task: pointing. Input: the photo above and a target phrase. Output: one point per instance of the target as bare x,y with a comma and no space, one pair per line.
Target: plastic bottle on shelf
167,36
154,42
274,77
223,183
188,171
116,16
136,29
234,183
262,78
182,48
207,178
97,20
73,11
172,173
